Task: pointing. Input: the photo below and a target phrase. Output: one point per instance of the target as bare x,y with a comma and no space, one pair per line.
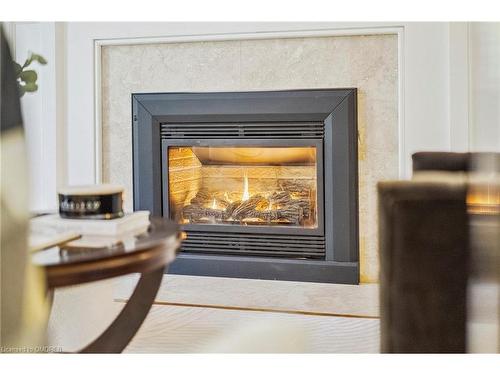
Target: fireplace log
304,204
241,212
284,200
194,212
291,209
280,197
295,186
230,209
202,197
290,214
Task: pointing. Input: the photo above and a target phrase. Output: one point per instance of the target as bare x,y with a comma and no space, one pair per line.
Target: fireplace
263,183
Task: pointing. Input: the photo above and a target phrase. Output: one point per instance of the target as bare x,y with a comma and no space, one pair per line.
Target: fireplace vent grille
312,130
268,245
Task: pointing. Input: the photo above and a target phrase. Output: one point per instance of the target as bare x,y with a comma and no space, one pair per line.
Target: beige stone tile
300,297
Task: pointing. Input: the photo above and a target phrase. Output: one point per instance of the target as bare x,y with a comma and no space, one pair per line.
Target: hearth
263,183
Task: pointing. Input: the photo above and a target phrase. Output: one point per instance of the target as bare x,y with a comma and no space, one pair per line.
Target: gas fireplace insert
263,183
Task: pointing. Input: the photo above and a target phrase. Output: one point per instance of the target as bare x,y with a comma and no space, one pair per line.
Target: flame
246,194
214,204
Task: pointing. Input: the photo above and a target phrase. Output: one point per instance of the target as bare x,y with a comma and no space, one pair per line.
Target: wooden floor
205,314
178,329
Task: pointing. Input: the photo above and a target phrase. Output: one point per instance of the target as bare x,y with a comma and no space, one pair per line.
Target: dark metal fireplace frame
257,143
328,121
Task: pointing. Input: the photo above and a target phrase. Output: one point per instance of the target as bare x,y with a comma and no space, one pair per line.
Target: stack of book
48,229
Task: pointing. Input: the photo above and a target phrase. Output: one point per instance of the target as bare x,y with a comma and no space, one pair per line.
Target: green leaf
26,79
34,57
30,87
28,76
17,68
41,60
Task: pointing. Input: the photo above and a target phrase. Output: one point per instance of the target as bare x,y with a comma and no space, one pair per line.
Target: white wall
436,110
484,41
43,111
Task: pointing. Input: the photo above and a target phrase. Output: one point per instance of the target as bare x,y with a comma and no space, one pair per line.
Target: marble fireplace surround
367,62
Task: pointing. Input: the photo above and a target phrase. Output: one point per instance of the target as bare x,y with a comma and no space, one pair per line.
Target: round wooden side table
148,254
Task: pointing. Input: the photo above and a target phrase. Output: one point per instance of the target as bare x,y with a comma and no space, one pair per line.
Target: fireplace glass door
245,186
